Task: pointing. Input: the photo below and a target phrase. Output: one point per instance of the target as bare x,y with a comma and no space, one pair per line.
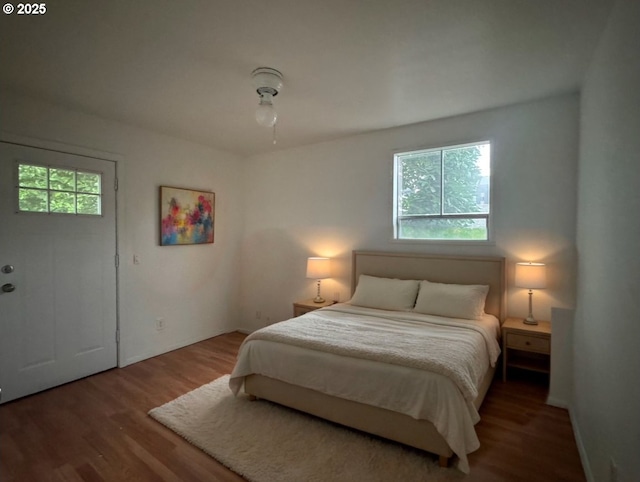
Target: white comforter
430,366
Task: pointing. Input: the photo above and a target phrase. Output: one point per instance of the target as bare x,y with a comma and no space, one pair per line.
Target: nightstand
305,306
527,347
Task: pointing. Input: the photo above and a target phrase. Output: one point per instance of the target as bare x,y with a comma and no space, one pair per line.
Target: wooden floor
98,429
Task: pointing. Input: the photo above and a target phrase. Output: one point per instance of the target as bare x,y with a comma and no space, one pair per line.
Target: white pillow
453,301
385,293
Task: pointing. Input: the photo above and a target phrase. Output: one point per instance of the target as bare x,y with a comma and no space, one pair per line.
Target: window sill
445,242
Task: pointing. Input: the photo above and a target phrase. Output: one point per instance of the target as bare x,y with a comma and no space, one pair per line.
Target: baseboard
581,450
166,349
556,402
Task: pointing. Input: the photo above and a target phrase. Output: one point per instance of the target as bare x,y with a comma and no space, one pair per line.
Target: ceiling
184,67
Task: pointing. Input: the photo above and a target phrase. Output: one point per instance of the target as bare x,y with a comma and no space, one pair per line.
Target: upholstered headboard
441,269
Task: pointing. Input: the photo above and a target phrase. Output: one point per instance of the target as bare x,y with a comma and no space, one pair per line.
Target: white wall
330,198
194,288
606,406
561,379
325,199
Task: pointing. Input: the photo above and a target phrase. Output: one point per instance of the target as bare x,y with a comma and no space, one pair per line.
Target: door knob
8,287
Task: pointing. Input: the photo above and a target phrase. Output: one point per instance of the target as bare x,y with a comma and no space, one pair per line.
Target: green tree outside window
443,194
59,190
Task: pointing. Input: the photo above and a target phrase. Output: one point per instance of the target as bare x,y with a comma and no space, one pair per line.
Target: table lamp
319,269
531,276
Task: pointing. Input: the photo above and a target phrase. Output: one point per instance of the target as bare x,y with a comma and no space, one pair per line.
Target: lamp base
318,298
530,320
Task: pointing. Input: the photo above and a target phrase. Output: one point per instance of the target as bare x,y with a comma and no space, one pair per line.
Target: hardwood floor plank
87,472
97,429
536,439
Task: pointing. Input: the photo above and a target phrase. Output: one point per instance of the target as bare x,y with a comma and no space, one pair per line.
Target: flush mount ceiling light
268,82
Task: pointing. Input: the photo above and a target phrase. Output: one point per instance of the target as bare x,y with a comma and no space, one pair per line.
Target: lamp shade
318,268
531,275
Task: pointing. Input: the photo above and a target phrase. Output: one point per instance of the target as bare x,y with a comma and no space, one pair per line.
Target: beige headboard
441,269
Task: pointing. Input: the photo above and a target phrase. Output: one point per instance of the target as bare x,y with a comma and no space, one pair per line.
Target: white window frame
396,190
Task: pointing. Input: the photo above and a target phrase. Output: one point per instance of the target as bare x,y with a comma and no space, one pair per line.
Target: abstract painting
186,216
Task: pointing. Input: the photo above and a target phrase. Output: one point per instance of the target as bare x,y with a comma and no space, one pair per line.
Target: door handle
8,288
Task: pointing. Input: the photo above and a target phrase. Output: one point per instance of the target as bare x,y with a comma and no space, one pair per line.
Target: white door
58,312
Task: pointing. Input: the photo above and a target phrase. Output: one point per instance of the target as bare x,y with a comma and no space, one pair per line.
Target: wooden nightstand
527,347
305,306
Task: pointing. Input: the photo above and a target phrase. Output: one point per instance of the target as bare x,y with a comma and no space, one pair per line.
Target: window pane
62,180
88,182
466,180
53,190
438,189
450,229
419,187
62,202
32,200
32,176
88,204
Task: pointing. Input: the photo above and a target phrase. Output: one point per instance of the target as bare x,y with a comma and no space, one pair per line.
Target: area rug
265,442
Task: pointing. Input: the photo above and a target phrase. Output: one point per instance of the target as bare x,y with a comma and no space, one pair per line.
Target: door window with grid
59,190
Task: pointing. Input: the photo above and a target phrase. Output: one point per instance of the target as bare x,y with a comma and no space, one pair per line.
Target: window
444,193
59,190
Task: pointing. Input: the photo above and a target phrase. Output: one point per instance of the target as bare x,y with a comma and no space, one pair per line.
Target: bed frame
378,421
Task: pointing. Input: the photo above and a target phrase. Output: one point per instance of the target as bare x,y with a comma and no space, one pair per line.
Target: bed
343,363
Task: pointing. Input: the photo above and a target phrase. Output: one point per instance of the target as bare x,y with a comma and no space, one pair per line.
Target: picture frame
187,216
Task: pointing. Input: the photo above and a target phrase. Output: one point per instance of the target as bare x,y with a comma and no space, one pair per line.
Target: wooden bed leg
443,461
252,398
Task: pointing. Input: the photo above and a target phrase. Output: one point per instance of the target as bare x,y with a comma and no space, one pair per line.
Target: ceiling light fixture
268,82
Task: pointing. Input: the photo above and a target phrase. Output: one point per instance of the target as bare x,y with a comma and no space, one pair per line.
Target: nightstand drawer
528,343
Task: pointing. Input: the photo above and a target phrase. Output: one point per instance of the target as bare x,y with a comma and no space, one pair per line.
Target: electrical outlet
258,315
159,324
336,297
268,320
136,259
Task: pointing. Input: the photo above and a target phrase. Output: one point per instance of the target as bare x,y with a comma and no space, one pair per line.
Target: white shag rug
265,442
